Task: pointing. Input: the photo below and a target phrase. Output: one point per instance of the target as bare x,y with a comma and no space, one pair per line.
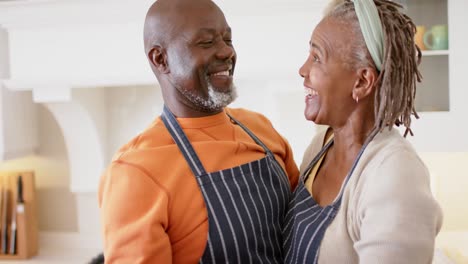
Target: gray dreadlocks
396,83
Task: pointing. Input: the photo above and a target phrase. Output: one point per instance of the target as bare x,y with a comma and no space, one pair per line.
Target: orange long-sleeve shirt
152,210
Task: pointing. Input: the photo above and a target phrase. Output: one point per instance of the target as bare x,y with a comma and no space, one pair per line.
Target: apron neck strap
182,142
251,134
187,149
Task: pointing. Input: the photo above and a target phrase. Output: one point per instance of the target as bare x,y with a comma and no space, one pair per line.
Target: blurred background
75,85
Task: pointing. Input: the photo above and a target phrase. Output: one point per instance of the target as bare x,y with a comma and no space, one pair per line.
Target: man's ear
158,58
365,83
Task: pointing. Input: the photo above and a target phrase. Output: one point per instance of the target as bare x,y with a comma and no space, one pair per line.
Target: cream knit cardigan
388,214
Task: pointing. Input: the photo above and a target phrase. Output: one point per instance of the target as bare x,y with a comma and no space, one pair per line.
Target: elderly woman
364,194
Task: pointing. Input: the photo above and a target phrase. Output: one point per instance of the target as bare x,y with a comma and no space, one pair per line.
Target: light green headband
371,28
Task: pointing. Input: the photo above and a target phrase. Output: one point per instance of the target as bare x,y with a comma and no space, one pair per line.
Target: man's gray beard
216,100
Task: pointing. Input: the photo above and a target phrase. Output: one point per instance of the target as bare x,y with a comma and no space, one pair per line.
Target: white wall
56,204
130,110
450,184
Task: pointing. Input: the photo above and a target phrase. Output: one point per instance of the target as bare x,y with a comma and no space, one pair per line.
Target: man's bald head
166,18
189,46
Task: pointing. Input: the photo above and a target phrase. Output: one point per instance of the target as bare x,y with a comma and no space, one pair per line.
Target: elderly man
204,183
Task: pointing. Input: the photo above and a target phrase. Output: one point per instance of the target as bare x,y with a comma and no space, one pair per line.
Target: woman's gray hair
396,84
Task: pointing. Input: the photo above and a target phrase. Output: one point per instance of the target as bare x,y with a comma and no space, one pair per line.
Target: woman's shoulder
389,166
390,161
390,143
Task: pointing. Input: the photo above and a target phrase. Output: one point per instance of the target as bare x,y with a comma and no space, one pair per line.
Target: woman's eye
316,59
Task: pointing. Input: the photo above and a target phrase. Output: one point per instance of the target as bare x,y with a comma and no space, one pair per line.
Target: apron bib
246,204
307,221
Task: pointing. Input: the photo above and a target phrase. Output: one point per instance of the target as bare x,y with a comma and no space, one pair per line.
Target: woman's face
328,80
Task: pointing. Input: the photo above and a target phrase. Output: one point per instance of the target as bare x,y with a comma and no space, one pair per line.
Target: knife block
26,222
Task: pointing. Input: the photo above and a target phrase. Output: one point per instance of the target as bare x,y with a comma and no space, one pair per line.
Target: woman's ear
158,59
365,83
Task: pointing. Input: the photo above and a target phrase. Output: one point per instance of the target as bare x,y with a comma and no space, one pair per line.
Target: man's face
201,60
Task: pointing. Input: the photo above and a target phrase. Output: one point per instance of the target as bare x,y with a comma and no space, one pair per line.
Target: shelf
433,92
70,248
435,52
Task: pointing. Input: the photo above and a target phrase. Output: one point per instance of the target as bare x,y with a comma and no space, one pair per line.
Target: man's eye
316,59
229,41
206,42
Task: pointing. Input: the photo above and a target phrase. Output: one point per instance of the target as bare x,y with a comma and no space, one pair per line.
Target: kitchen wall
450,184
56,204
130,110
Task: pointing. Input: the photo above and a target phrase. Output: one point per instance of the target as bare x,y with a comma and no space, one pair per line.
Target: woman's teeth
310,92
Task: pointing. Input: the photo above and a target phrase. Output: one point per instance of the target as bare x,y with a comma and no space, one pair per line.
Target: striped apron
307,221
246,204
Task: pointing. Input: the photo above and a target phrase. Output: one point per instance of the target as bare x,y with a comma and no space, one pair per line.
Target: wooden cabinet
431,17
441,98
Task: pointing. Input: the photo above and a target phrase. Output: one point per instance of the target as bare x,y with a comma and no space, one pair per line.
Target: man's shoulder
150,139
246,116
261,126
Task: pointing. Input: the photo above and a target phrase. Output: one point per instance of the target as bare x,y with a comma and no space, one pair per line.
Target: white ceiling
39,13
